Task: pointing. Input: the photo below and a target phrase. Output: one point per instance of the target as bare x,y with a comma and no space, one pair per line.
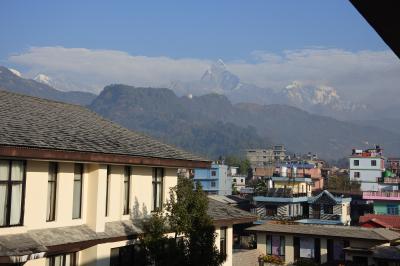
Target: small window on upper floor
356,174
356,162
373,163
213,173
213,184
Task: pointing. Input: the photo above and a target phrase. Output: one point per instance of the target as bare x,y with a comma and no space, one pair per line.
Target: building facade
214,180
366,167
74,186
322,244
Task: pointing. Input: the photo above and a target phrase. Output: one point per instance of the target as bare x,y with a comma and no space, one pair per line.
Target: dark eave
77,156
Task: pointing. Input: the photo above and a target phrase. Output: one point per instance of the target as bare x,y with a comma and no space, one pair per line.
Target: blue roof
320,221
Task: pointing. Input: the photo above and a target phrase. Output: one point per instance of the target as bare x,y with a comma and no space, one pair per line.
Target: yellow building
73,185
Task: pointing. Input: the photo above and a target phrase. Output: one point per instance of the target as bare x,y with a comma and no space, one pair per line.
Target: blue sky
230,29
87,44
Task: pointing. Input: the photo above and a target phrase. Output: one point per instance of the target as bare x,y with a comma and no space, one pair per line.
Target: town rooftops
222,213
377,234
37,128
328,195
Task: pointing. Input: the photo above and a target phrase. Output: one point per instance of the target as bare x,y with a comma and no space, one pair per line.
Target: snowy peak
42,78
15,72
219,77
301,95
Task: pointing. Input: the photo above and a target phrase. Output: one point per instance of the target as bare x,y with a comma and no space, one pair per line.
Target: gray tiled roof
219,211
39,123
37,241
380,234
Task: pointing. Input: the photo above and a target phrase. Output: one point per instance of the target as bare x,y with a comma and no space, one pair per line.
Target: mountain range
12,80
213,124
321,99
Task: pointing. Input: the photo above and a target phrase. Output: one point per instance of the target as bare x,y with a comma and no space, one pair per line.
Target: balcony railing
391,180
384,195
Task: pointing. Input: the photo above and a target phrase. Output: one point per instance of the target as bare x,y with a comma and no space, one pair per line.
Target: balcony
389,180
280,195
381,195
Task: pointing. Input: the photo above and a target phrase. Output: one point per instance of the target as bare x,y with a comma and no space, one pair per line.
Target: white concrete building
73,185
366,167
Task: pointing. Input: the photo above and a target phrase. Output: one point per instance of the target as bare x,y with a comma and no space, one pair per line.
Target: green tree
193,240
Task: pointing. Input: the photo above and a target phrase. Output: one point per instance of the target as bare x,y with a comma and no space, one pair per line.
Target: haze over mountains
215,124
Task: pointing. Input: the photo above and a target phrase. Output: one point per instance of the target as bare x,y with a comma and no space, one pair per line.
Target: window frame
328,209
53,203
108,180
373,162
81,173
392,209
357,174
155,183
127,182
213,173
223,243
213,184
73,259
356,163
9,184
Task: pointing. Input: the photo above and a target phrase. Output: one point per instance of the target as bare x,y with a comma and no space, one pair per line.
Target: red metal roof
387,221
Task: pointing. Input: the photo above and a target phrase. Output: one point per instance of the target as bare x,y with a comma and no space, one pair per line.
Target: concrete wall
368,173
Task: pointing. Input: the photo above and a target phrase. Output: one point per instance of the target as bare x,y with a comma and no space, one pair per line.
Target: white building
74,185
366,167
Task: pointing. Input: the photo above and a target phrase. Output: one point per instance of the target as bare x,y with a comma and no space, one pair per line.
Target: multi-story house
303,169
366,167
283,198
327,244
260,158
214,180
73,185
328,209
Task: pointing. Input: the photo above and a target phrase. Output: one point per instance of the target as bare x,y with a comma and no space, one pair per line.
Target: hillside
213,126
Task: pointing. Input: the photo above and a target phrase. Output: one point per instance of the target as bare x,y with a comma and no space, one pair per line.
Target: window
241,180
126,255
222,240
357,174
127,188
275,245
62,260
356,162
328,209
234,180
213,173
373,162
12,191
108,180
392,209
77,197
52,192
213,184
158,179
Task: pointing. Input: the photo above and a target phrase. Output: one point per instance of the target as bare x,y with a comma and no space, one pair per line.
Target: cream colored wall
93,196
261,242
37,262
229,243
289,249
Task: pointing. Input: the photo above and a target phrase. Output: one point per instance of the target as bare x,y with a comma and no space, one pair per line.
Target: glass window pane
4,170
76,208
51,194
3,204
68,260
52,171
159,199
17,170
78,171
16,198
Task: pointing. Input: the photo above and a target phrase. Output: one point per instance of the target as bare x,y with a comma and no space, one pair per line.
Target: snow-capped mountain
218,76
320,99
42,78
15,72
312,97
